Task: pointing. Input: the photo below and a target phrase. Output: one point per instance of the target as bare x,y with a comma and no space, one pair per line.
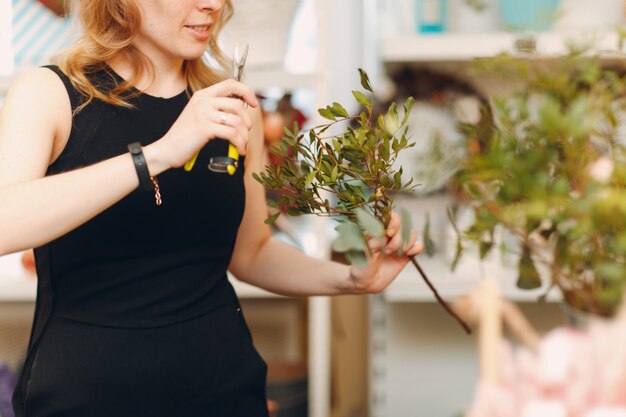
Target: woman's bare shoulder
35,117
38,84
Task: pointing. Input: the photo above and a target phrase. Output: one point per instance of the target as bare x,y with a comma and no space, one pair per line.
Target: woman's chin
192,55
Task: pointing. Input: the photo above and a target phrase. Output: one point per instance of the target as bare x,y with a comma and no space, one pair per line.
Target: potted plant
546,164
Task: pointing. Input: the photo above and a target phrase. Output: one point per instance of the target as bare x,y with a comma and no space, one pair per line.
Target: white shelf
410,287
467,46
17,289
16,285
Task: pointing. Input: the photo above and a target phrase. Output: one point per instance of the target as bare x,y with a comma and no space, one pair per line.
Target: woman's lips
199,32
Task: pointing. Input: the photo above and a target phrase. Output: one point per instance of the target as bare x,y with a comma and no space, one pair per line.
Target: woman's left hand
384,263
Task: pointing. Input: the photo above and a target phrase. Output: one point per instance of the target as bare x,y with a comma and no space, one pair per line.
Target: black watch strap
141,166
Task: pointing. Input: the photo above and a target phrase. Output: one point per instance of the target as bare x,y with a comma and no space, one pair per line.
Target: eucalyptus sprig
345,169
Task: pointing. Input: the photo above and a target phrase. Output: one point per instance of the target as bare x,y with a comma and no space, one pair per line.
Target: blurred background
395,354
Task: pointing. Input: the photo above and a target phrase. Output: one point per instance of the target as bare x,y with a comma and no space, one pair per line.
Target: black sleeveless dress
135,315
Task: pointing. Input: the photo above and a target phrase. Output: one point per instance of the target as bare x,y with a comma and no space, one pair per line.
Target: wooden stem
438,297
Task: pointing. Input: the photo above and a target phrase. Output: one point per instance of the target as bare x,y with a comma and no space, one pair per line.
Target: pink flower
607,412
544,408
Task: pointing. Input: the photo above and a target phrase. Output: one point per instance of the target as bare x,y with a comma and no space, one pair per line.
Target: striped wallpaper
38,33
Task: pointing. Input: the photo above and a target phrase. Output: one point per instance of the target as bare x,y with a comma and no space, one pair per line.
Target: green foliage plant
549,168
346,175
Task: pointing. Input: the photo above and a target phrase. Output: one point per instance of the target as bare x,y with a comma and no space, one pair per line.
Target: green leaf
352,235
272,218
457,256
340,245
310,177
326,114
459,239
429,245
369,223
405,228
287,133
485,247
397,179
611,271
362,99
365,81
336,145
391,118
407,107
334,173
356,258
395,145
339,110
385,149
528,278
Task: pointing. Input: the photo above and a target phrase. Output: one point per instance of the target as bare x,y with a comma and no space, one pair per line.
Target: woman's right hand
218,111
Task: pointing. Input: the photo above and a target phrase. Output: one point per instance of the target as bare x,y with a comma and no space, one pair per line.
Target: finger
244,133
413,247
230,119
235,121
394,244
233,135
230,88
416,249
375,245
394,224
244,115
412,240
234,106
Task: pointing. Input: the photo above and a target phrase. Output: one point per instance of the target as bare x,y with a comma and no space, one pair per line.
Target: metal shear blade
239,61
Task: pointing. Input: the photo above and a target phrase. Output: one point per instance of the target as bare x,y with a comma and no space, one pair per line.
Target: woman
135,315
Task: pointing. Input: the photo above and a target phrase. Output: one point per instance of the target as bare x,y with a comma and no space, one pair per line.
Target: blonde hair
108,28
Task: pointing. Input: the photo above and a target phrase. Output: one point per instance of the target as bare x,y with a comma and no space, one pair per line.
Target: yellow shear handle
232,153
189,164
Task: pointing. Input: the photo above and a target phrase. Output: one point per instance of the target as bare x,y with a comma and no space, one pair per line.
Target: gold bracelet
157,191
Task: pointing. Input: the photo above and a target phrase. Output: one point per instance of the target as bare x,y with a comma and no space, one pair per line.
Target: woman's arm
275,266
36,114
33,209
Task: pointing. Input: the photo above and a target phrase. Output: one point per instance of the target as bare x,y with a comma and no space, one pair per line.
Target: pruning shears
227,163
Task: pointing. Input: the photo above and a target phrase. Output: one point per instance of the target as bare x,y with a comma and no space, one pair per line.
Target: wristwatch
141,166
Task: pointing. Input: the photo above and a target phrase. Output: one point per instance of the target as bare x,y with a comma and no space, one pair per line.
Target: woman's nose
211,6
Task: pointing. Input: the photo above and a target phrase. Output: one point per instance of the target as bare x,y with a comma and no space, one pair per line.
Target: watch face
134,148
